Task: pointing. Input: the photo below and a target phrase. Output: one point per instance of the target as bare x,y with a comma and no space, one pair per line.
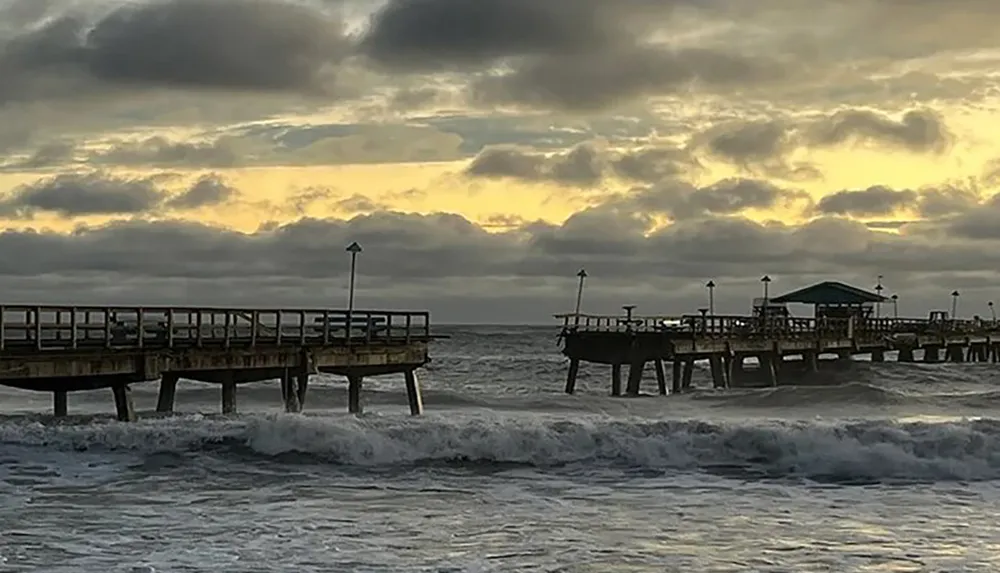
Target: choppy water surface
895,469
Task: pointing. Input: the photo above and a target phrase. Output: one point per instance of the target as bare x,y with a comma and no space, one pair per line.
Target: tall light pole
765,280
954,304
710,285
878,304
993,311
354,248
895,306
579,294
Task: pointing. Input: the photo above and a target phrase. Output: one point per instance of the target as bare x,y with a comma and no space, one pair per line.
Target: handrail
40,327
732,326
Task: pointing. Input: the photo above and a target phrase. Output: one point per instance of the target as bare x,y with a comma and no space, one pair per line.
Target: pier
62,349
787,349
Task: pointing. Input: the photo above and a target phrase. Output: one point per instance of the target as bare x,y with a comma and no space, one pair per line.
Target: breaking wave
841,452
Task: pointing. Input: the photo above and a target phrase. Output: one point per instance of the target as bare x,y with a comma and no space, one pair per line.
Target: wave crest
861,451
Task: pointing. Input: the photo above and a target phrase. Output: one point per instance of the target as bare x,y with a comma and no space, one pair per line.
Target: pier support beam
688,374
228,394
675,376
168,392
60,407
413,395
124,407
718,373
661,378
354,393
955,354
289,393
770,363
302,387
635,371
616,379
878,355
932,354
574,371
905,354
812,362
735,370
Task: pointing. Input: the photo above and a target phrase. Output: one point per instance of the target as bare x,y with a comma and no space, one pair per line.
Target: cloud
872,202
585,165
198,44
919,131
80,195
726,197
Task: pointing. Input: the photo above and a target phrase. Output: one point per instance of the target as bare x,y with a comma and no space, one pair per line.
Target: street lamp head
766,279
954,293
989,303
710,284
354,248
879,288
895,297
582,274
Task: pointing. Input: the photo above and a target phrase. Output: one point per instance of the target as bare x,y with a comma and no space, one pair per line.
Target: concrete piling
289,393
661,378
635,372
60,407
228,395
354,393
616,379
413,394
124,406
167,395
574,371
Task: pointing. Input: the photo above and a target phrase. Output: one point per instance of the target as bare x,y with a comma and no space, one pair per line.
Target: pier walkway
727,341
61,349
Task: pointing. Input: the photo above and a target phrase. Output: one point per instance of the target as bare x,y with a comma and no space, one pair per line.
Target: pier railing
728,326
80,327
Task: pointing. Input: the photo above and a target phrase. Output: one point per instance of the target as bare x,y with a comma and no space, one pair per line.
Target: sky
482,152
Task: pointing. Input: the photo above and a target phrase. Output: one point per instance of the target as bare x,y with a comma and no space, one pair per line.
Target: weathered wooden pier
61,349
786,348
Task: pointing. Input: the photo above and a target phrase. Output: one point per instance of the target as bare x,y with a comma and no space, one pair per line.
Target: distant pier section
62,349
787,349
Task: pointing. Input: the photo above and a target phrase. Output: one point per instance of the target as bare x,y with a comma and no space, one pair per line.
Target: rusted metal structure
61,349
726,342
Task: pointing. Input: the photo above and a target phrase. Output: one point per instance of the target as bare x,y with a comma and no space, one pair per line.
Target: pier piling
124,406
354,393
635,371
661,378
168,392
616,379
571,375
228,394
413,394
60,406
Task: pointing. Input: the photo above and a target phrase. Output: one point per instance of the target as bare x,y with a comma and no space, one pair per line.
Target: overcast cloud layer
687,133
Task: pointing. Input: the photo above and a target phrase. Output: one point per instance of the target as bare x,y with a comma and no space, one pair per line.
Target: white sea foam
838,451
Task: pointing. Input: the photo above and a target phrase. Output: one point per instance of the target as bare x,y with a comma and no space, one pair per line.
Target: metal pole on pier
765,311
954,304
993,311
878,304
711,297
354,248
895,306
579,294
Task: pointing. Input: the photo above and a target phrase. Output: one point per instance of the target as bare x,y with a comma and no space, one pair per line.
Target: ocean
896,468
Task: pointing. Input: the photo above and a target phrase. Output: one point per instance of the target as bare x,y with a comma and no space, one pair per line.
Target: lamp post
579,294
878,304
354,248
710,285
765,280
895,306
993,311
954,304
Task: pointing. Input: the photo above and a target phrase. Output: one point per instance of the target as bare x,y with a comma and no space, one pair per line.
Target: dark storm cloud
431,34
871,202
917,130
261,45
585,164
603,80
727,197
207,191
162,152
78,195
764,146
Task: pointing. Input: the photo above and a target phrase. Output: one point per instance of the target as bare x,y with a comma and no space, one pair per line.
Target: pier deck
726,341
62,349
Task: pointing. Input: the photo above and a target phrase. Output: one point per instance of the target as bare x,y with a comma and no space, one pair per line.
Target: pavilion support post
676,368
661,378
616,379
635,371
688,375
